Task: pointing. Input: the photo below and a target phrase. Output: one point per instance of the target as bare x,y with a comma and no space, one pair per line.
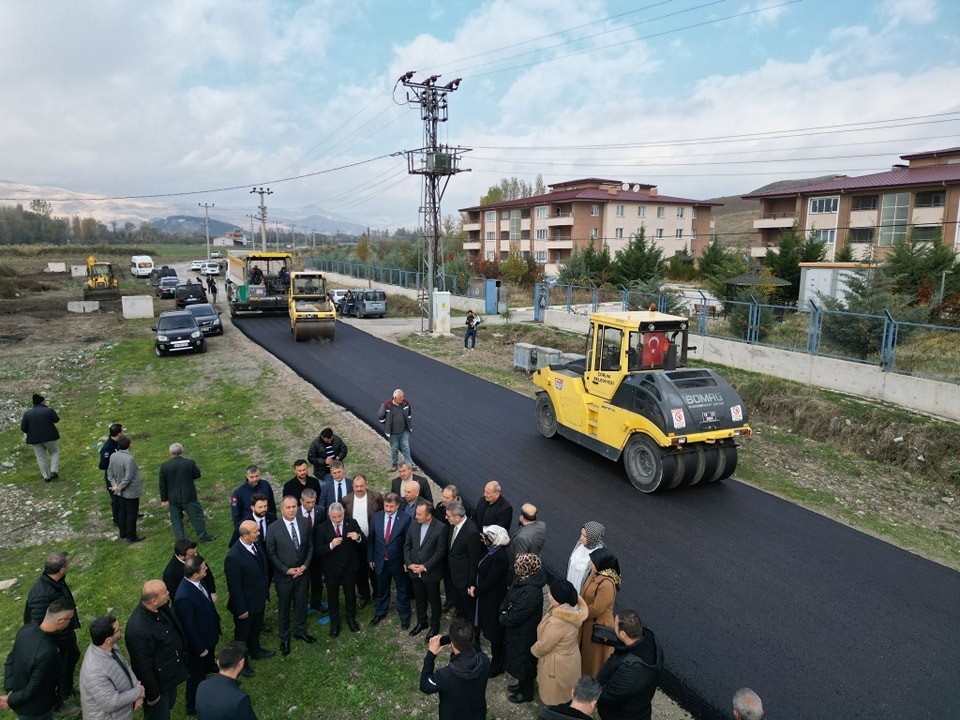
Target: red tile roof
897,178
593,195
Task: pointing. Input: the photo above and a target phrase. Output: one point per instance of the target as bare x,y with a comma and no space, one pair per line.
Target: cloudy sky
703,98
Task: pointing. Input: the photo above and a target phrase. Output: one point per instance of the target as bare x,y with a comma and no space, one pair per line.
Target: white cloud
908,12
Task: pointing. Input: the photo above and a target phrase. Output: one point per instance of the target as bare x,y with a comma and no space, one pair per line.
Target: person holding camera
462,684
473,322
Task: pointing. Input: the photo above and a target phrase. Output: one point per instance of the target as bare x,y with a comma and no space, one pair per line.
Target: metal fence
920,349
411,279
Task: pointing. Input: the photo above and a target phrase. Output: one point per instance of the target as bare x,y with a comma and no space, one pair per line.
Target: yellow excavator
102,283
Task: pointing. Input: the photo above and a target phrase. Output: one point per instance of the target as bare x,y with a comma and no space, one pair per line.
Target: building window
490,254
642,211
661,212
693,213
504,214
679,212
823,205
541,256
865,202
693,235
894,214
926,233
619,210
593,233
595,211
930,199
491,235
678,234
490,215
861,235
542,234
826,236
659,234
542,211
618,233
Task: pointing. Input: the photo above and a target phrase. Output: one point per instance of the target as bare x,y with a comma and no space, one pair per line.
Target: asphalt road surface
741,588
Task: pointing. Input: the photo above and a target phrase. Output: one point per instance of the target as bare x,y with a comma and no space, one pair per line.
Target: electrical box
523,357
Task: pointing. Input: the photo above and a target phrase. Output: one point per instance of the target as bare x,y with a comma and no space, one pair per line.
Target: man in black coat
31,673
493,508
173,572
424,551
157,647
39,423
290,549
582,703
201,625
178,492
50,586
337,540
462,685
108,449
301,480
220,697
630,676
464,549
324,449
246,570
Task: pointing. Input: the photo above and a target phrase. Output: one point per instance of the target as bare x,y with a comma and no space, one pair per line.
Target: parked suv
189,294
161,272
177,331
208,318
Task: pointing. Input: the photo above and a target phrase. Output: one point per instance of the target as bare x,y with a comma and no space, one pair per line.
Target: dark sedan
167,287
208,318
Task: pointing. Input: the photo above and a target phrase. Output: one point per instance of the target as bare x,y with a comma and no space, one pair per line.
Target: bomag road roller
633,397
102,283
312,314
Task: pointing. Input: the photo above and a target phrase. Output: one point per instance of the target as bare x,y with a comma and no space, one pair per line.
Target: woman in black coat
492,574
520,614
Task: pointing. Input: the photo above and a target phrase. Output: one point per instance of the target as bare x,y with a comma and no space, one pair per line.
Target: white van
141,265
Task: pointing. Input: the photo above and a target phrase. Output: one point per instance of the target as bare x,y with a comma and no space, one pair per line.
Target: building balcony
475,226
775,220
471,244
563,219
560,242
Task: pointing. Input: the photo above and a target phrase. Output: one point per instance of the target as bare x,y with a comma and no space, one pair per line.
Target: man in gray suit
108,688
126,483
290,549
424,551
531,535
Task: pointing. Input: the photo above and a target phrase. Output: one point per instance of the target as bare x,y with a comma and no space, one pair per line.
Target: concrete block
78,271
55,267
83,306
137,306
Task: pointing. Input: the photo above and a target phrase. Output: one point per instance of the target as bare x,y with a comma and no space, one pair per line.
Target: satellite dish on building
636,188
625,186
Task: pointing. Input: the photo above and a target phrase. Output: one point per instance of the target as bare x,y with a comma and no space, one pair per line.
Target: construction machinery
258,282
102,283
632,397
312,313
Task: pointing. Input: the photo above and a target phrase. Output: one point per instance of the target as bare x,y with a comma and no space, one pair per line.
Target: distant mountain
734,219
191,225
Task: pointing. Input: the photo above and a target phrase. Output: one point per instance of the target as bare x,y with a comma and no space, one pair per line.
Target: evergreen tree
717,264
639,260
587,266
784,261
915,268
844,253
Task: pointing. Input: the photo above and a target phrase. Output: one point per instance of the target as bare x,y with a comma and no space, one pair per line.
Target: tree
717,264
514,268
914,267
844,253
587,267
860,331
512,189
792,250
639,260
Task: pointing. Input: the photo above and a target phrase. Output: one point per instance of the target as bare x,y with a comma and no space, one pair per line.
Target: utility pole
436,163
253,243
206,222
262,217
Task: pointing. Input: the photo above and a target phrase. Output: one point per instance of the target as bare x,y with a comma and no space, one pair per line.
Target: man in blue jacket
220,697
388,530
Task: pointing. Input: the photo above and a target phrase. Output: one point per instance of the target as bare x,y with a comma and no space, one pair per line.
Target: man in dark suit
464,549
530,536
337,488
173,572
409,498
201,625
178,492
385,559
338,538
290,549
220,697
361,505
246,570
424,551
404,473
493,508
314,517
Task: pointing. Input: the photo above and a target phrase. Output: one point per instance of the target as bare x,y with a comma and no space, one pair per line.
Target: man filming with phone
462,684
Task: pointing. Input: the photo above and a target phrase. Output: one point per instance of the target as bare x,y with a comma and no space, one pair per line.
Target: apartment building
550,227
920,198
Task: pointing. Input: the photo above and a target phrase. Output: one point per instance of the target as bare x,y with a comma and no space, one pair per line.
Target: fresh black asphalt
741,588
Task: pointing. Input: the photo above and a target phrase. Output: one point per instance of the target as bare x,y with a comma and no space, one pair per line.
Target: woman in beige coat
599,592
557,646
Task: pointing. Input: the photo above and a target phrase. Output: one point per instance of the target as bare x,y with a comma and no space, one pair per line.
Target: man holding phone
462,684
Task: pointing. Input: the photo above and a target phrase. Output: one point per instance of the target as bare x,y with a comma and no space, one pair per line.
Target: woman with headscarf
599,593
578,567
520,613
558,643
492,575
